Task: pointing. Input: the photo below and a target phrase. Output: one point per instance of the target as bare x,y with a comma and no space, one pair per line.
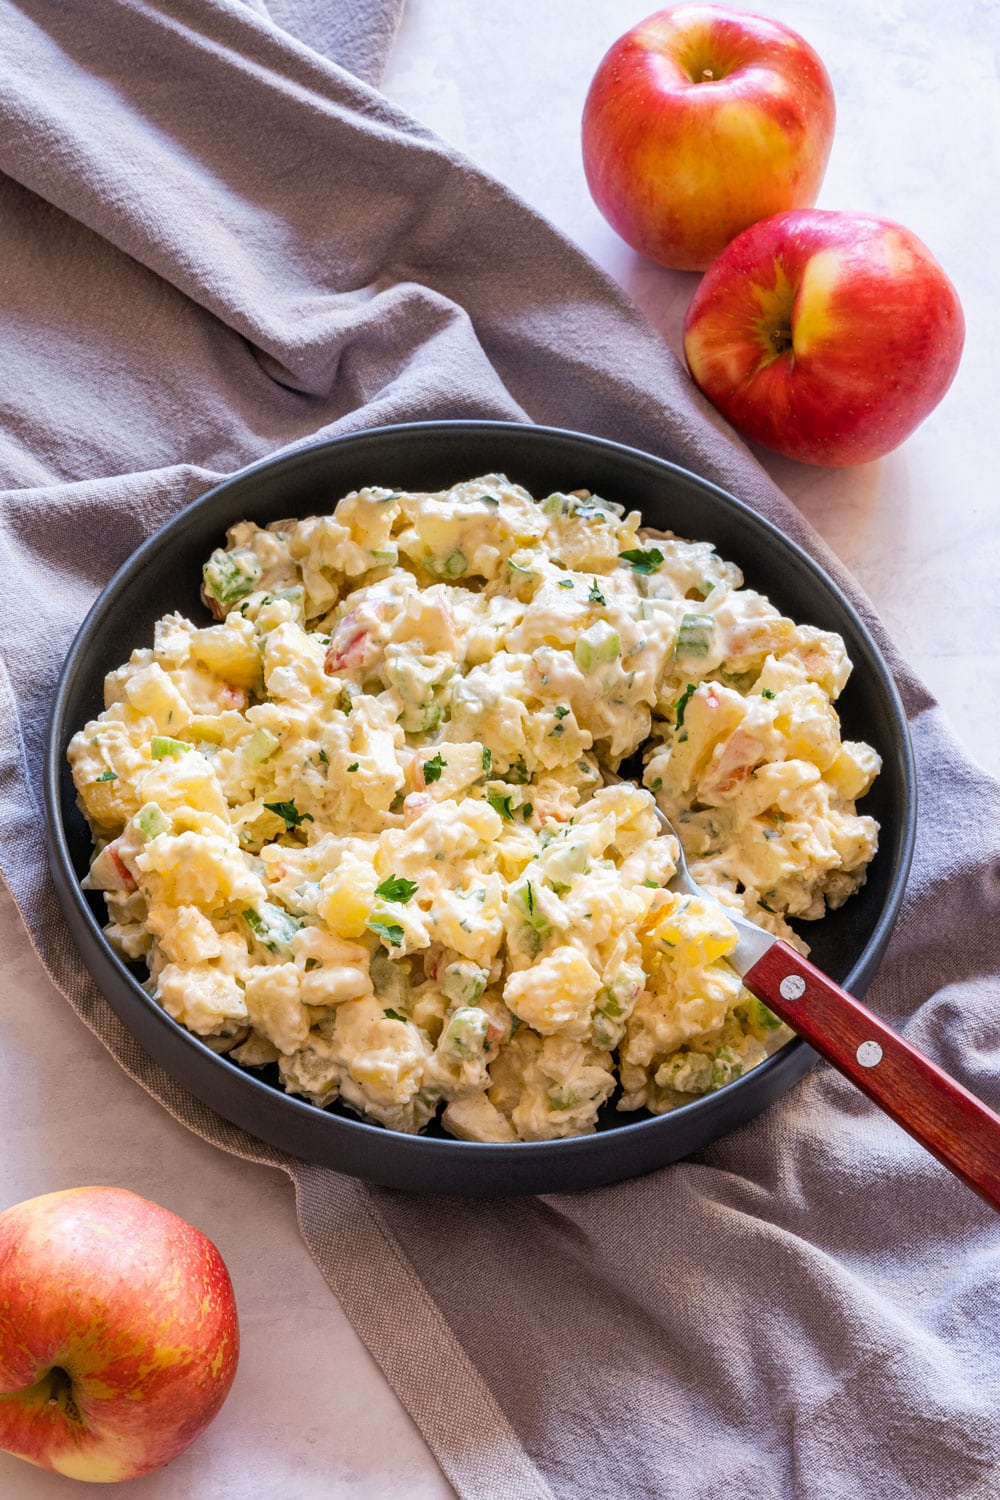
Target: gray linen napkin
216,243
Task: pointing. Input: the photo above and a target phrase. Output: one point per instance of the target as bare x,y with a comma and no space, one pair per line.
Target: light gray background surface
919,113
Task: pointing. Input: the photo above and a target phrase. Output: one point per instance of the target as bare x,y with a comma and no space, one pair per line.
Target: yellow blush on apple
698,122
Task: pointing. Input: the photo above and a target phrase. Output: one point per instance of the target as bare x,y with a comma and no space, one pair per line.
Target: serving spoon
934,1108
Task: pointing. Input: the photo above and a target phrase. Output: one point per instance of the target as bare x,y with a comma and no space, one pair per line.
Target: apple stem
61,1393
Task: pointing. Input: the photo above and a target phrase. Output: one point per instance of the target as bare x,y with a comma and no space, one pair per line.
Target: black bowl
164,574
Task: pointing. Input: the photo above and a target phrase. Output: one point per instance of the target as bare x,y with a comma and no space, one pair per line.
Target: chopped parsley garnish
391,932
681,705
766,693
324,757
643,562
517,773
487,759
565,583
767,908
526,810
353,766
108,776
290,813
502,803
595,596
392,1015
655,784
489,499
560,714
396,888
433,768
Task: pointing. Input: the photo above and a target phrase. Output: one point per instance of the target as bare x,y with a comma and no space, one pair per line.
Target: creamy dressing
357,828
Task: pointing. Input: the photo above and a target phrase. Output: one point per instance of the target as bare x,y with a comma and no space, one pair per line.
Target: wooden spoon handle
934,1108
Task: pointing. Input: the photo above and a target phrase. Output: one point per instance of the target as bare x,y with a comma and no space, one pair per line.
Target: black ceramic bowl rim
460,448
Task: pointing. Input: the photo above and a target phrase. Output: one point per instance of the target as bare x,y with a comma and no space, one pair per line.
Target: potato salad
357,830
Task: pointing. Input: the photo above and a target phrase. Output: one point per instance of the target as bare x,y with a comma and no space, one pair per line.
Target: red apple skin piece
827,337
680,163
136,1306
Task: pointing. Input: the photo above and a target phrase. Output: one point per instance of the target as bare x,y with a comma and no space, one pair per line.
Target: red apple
700,121
825,336
118,1333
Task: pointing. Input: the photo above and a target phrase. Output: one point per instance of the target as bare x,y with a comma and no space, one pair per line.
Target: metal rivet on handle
791,987
869,1054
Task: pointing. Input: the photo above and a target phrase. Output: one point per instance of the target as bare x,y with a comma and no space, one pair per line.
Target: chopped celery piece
626,984
759,1016
695,636
161,745
390,978
726,1067
687,1072
524,899
604,1032
452,566
272,926
385,557
566,1095
261,744
465,1034
597,646
229,577
419,718
464,982
562,864
151,821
